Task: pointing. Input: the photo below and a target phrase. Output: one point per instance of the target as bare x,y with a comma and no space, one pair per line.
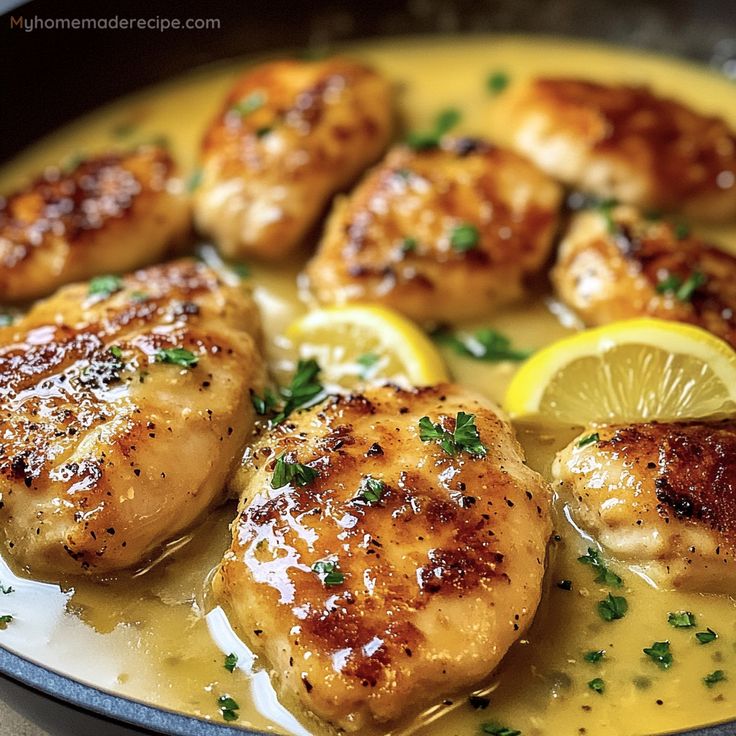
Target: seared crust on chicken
290,135
661,497
627,143
111,214
439,234
616,264
433,576
106,452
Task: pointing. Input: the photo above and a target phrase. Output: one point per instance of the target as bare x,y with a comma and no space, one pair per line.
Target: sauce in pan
157,636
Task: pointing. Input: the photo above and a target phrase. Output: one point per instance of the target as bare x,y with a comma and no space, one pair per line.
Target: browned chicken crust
105,452
290,134
441,574
628,143
398,239
618,264
661,496
110,214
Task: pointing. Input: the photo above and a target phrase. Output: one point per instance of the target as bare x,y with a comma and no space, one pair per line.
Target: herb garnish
195,179
682,290
589,439
304,388
5,620
484,344
116,352
604,575
464,237
177,356
287,473
595,655
660,653
681,619
597,685
367,363
105,286
707,636
714,677
228,708
5,319
445,121
230,662
682,230
613,607
496,82
408,245
464,438
497,730
371,490
328,572
606,207
6,591
253,102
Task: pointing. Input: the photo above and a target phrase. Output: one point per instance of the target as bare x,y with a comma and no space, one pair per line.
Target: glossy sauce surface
163,639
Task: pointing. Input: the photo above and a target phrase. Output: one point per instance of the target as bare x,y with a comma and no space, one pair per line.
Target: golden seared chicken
439,234
389,548
661,497
616,264
290,135
627,143
111,214
124,406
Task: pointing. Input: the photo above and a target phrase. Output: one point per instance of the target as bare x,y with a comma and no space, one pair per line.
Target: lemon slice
637,370
366,344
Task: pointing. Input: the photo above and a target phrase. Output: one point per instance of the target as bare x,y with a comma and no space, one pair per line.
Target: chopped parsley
367,363
195,180
328,572
682,290
139,296
464,237
228,708
496,82
230,662
445,121
714,677
287,473
613,607
707,636
595,655
497,730
302,392
589,439
606,207
660,654
465,437
484,344
603,574
105,286
116,352
408,245
249,104
681,619
682,230
597,685
5,319
240,269
5,620
371,490
177,356
6,590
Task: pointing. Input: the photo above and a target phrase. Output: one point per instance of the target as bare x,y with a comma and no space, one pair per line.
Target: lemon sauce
159,637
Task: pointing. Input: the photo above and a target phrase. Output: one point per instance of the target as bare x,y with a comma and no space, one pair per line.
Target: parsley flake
408,245
497,730
465,437
613,607
464,237
597,685
249,104
371,490
496,82
5,620
6,590
367,363
707,636
228,708
714,677
682,290
195,180
6,319
230,662
287,473
606,207
445,121
303,391
177,356
682,230
595,655
328,572
589,439
603,574
105,286
660,654
484,344
681,619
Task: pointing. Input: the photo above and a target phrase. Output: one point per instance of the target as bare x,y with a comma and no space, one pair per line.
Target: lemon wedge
636,370
366,344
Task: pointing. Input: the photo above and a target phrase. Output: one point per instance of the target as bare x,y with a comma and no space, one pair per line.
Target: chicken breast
111,214
290,135
661,497
615,264
440,234
124,406
627,143
376,569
